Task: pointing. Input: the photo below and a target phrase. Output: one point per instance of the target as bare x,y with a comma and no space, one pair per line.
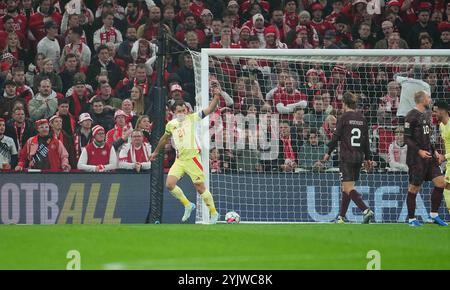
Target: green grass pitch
242,246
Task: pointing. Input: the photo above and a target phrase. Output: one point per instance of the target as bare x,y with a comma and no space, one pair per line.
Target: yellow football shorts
192,167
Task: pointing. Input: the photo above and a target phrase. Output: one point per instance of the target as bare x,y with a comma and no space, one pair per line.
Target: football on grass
232,217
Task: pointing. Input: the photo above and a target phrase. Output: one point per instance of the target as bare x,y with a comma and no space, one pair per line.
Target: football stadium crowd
77,78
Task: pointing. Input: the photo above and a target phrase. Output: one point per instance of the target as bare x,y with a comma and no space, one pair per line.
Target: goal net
262,149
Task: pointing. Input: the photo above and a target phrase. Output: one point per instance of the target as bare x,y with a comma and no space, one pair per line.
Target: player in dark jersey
422,159
353,133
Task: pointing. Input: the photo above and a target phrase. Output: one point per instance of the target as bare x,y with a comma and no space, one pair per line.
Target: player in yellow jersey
442,113
182,129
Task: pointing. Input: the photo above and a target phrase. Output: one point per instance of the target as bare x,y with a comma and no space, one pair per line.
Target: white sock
433,214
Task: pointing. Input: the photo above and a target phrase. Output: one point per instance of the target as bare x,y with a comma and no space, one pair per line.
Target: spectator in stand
98,156
388,29
141,104
329,40
79,95
315,83
19,128
225,39
423,25
150,29
216,29
287,100
49,45
344,35
327,104
337,5
311,153
77,47
187,77
43,151
136,154
45,103
144,52
70,69
444,42
104,62
83,134
258,27
317,22
20,21
124,50
190,24
425,42
144,124
206,22
394,41
69,121
34,69
316,117
8,150
135,17
141,79
117,60
277,21
365,34
244,36
169,17
14,47
107,33
388,105
70,22
272,38
9,26
8,100
287,158
281,82
290,14
57,132
48,72
128,109
45,13
121,132
397,152
102,116
112,103
214,161
327,129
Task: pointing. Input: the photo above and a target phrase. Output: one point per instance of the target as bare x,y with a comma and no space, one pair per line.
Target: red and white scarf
144,86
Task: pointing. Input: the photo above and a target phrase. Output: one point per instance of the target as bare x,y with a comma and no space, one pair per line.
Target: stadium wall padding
36,198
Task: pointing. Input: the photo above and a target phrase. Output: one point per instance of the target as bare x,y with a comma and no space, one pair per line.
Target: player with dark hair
353,133
422,159
182,129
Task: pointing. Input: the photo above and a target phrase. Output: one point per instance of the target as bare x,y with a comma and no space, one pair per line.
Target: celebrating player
422,159
182,130
442,114
353,133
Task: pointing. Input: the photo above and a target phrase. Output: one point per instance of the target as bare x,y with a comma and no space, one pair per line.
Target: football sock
411,205
357,199
436,199
178,194
208,199
345,202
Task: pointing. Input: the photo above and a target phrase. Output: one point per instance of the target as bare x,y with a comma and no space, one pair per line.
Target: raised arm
215,101
162,142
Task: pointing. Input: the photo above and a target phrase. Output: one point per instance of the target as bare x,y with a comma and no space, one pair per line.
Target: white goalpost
261,150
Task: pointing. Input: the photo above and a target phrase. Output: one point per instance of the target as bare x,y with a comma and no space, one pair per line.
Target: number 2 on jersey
356,135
